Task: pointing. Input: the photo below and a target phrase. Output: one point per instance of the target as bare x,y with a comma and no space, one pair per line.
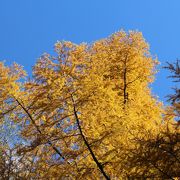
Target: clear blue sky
29,28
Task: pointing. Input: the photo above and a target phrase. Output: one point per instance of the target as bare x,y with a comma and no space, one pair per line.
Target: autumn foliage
88,113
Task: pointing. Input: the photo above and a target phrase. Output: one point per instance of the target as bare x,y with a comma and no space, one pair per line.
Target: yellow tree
82,109
118,100
159,156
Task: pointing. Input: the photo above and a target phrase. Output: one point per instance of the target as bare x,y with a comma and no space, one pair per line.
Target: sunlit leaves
106,84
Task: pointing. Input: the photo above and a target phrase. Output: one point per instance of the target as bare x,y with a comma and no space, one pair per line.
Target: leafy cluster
88,113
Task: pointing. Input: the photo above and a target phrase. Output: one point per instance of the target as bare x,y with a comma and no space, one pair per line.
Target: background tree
175,98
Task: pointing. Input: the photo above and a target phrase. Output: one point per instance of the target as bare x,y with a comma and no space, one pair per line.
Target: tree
81,110
159,156
175,98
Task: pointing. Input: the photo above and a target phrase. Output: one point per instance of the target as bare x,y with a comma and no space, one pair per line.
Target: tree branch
99,165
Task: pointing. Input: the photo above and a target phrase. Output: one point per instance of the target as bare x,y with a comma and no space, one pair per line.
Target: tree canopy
89,113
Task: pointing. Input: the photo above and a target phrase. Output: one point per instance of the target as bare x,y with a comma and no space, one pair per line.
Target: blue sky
29,28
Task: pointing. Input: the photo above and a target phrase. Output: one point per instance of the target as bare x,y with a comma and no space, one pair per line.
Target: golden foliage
82,109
